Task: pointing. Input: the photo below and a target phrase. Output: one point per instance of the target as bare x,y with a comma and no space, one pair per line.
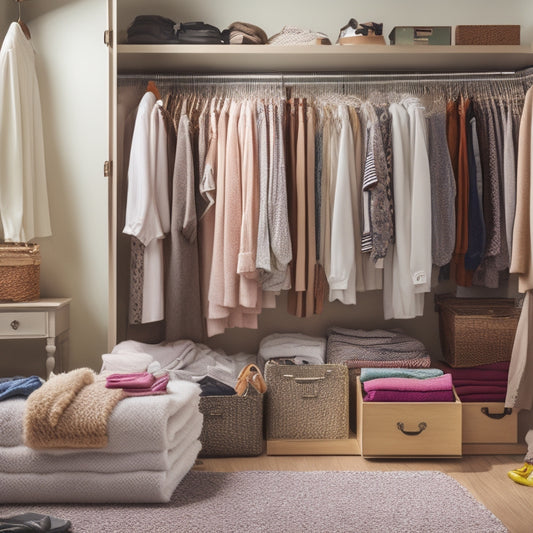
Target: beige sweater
522,257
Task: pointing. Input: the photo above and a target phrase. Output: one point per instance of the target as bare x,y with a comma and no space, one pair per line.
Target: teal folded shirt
417,373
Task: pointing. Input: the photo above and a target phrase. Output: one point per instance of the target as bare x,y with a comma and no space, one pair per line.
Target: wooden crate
408,429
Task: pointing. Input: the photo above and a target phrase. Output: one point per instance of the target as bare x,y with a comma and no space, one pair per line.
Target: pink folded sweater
439,383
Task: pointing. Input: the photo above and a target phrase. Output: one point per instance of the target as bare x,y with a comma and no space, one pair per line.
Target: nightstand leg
50,356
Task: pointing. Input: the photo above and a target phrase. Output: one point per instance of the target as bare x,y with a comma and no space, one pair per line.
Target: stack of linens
482,383
358,348
149,444
405,385
292,348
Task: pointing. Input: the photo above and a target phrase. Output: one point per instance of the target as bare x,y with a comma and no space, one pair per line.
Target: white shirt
24,211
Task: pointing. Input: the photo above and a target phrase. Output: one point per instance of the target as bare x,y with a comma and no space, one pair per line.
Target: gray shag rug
310,502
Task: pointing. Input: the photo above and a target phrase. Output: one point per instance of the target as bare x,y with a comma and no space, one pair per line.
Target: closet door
110,171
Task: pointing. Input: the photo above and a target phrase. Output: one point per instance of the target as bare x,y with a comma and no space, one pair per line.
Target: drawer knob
496,416
421,428
15,324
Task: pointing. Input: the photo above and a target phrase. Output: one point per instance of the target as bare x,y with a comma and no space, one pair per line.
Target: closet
372,64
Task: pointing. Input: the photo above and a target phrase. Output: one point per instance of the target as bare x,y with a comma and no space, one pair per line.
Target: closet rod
333,77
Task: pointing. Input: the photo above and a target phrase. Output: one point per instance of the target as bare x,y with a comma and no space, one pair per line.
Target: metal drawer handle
421,428
496,416
15,324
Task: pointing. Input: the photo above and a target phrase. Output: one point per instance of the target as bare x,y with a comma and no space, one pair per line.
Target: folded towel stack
152,442
482,383
357,348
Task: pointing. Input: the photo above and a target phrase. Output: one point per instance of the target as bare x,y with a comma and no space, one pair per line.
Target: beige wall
72,67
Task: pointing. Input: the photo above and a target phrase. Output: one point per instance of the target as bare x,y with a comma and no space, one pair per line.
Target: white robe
24,211
147,207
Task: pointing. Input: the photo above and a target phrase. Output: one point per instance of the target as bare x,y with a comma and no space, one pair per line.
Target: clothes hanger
152,87
21,23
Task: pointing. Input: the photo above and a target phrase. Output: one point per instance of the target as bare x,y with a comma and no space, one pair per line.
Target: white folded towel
142,486
310,349
21,459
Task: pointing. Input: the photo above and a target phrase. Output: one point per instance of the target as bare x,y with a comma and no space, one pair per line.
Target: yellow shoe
523,475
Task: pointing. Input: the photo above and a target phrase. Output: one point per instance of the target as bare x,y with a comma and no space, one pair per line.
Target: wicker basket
306,401
19,272
233,425
476,331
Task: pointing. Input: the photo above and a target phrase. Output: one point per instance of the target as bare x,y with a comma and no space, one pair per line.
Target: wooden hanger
21,23
152,87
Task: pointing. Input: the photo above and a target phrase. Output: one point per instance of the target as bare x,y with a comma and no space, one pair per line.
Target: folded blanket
409,396
142,486
492,371
481,389
420,362
137,424
482,397
69,411
21,459
312,349
440,383
375,348
19,387
417,373
479,382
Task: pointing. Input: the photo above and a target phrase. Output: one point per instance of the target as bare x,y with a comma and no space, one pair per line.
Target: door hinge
108,37
108,168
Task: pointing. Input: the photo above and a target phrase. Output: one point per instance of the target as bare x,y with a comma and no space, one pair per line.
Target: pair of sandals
250,375
32,522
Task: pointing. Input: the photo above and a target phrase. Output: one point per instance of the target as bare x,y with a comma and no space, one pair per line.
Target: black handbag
201,33
152,29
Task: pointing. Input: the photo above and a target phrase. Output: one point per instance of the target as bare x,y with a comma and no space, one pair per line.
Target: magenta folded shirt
409,396
438,383
137,380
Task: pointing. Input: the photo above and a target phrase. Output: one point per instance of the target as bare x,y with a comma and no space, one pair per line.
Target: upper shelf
166,58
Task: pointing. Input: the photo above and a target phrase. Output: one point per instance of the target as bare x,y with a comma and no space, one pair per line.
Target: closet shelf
166,58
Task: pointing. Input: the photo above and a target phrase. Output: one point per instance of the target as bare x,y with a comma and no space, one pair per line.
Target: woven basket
19,272
476,331
487,34
306,401
233,425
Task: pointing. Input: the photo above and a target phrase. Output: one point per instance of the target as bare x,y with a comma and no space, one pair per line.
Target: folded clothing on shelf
358,348
399,389
152,29
291,35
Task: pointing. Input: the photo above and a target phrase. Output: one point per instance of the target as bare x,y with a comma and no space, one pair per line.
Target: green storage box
421,35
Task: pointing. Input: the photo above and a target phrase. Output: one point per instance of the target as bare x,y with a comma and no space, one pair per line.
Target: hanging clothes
147,205
182,293
24,210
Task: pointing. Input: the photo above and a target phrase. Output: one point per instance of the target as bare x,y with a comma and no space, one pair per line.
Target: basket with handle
20,265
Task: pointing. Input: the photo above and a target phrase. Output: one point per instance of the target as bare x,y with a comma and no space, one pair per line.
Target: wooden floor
483,475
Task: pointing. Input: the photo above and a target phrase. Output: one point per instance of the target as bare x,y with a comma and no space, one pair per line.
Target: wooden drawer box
408,429
489,423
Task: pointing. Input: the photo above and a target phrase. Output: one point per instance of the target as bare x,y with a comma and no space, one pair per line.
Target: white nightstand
47,318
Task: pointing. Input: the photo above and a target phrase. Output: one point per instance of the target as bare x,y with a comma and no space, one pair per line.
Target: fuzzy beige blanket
70,411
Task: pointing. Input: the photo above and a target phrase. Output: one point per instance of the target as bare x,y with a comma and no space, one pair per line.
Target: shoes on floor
523,475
